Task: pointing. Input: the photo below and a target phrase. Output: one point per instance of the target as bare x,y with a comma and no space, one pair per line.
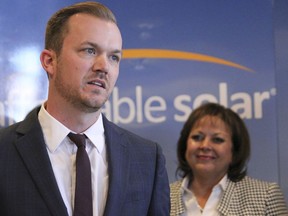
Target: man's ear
48,61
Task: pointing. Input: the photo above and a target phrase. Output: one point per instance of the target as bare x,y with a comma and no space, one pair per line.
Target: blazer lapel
32,148
177,203
229,197
118,167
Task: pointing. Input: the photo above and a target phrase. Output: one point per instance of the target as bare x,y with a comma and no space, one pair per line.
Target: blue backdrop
177,54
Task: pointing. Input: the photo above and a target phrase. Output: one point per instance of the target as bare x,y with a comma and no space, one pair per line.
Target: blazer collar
32,149
226,200
118,166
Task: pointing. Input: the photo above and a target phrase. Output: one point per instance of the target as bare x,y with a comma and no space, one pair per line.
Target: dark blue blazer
138,182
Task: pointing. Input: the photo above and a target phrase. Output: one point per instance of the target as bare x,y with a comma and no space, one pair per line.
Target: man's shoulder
9,129
20,126
130,135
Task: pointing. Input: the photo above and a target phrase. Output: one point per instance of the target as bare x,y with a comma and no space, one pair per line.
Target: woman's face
209,148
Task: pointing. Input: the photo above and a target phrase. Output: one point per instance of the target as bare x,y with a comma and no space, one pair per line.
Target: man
81,57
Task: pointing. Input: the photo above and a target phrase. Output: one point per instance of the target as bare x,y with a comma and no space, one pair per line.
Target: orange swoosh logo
172,54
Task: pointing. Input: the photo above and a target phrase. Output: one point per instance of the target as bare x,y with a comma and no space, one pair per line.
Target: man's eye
90,51
218,140
115,58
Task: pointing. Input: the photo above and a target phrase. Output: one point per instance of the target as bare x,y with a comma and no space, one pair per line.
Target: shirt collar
55,132
222,184
95,133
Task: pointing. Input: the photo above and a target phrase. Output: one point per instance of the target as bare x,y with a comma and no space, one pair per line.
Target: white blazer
248,197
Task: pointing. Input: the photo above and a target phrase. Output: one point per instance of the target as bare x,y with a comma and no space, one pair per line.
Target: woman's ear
48,61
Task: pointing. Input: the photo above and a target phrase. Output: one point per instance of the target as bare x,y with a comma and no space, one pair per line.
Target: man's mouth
97,83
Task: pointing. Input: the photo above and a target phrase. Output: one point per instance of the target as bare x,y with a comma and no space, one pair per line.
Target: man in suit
37,159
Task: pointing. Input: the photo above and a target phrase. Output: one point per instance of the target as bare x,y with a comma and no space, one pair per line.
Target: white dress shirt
62,154
210,209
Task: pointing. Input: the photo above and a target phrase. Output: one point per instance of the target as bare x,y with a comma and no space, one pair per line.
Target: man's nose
101,63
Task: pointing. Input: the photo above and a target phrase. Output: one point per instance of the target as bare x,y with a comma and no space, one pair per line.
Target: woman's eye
218,140
197,137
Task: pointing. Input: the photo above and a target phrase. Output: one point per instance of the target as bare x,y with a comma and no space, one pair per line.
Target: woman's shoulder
249,193
249,184
254,182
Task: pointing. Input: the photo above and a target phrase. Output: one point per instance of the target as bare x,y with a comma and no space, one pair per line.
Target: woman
213,151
